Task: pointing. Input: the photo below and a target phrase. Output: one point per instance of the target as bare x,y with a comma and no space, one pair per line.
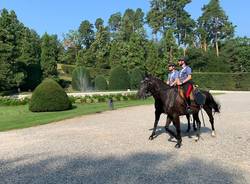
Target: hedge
223,81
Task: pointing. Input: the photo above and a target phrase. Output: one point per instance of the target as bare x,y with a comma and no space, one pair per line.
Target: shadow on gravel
138,168
161,130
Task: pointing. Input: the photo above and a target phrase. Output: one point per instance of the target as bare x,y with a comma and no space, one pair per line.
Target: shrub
80,79
119,79
49,96
136,77
100,83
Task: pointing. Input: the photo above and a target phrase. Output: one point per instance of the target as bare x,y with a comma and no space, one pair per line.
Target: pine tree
214,25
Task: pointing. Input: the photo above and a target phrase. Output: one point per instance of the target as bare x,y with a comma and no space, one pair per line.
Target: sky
60,16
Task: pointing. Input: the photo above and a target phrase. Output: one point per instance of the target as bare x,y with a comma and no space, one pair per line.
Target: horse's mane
162,84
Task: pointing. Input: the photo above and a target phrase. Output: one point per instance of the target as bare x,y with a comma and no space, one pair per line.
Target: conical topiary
49,96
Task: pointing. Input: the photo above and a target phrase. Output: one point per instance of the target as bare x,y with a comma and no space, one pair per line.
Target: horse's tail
210,101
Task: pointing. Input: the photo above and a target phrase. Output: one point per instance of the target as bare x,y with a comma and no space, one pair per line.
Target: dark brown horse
168,101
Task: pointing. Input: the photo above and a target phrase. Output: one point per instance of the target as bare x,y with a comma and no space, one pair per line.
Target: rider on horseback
185,81
173,75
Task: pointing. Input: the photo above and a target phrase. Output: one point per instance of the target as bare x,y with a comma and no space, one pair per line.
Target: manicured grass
14,117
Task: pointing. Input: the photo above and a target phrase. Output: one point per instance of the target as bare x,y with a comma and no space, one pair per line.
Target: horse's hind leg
189,127
194,125
211,118
157,117
197,120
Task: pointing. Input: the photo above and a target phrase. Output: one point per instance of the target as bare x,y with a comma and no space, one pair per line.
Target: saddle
195,95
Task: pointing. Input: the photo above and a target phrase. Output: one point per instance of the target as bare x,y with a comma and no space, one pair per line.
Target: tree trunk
216,45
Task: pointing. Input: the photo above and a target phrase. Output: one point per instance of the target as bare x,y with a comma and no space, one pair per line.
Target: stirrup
189,110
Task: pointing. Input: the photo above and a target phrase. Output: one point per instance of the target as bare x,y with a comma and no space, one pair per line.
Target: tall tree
114,23
49,55
30,49
168,14
10,49
100,47
86,34
215,24
99,23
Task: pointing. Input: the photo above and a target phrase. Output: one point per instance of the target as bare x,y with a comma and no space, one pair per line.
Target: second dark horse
168,101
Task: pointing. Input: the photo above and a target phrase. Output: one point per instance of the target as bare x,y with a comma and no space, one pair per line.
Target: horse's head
145,87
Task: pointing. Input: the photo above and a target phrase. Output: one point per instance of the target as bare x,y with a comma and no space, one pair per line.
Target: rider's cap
171,64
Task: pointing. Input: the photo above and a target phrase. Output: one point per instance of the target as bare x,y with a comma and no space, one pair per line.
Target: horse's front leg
178,131
157,117
170,132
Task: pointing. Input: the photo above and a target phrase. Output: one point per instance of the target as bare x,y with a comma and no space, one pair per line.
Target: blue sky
59,16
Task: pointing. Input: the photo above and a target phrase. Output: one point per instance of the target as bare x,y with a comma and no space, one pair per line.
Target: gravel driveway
113,147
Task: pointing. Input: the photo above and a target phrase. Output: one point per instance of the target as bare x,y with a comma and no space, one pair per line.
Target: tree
237,54
100,47
114,22
99,23
86,34
49,55
30,49
215,24
168,14
11,76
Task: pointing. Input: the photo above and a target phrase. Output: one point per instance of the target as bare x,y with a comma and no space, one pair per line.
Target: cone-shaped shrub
119,79
49,96
100,83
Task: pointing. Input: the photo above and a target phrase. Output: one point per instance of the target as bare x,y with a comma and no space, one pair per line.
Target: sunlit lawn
14,117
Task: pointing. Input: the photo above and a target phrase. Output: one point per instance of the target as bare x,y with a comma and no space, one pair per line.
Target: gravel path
113,147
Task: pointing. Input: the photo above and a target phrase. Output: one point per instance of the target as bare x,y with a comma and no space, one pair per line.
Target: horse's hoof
170,138
197,138
213,134
151,137
178,145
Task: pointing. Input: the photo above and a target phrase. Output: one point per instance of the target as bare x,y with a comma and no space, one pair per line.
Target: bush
100,83
119,79
80,79
49,96
68,69
136,77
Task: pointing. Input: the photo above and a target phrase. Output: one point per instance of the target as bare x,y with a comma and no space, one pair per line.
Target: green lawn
14,117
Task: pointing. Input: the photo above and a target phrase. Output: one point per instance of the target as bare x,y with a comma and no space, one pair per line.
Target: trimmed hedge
49,96
80,79
119,79
222,81
103,98
7,101
100,83
136,77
